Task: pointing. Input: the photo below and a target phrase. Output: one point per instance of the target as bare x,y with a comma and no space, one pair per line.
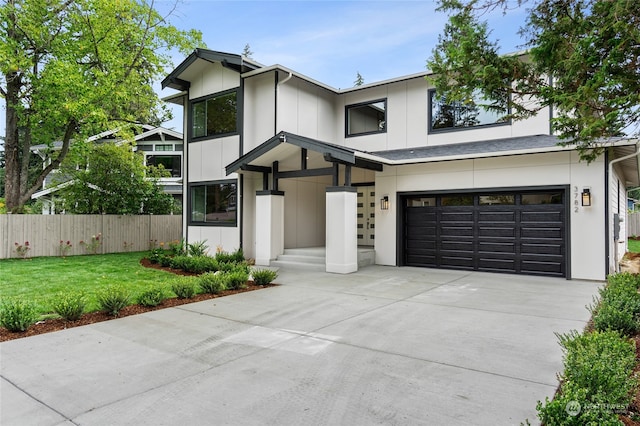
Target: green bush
70,306
155,255
602,363
212,282
235,257
195,264
198,248
113,299
569,408
165,260
609,317
184,287
152,297
18,314
237,278
264,276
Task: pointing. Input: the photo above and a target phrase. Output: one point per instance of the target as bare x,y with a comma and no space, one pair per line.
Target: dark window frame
205,184
430,96
361,104
193,102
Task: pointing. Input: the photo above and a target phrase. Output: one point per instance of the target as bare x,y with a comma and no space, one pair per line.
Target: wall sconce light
384,203
586,197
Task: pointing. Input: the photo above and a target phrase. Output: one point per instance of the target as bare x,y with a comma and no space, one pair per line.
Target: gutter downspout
611,163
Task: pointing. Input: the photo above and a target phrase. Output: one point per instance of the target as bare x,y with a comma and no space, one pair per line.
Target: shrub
165,260
18,315
184,287
264,276
70,306
177,247
609,317
155,255
237,279
569,408
195,264
197,248
113,299
212,282
235,257
152,297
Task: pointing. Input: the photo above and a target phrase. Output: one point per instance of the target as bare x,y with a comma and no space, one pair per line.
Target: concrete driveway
386,345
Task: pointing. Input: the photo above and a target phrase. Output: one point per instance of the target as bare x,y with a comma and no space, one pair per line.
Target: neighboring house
277,160
159,146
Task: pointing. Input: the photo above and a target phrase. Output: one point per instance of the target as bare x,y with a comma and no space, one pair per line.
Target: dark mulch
57,324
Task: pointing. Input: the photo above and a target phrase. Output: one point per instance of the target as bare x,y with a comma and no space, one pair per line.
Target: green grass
634,246
40,279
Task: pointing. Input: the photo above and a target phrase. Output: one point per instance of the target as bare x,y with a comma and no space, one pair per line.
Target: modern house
275,160
158,145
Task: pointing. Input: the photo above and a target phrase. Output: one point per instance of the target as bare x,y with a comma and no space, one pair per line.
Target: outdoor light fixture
384,203
586,197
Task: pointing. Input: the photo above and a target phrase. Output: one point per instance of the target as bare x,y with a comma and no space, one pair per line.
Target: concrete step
307,251
319,267
301,258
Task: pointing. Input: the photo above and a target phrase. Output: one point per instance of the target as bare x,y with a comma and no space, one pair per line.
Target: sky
329,41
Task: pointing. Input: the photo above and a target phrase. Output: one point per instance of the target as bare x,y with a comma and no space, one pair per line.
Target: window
460,115
366,118
214,203
164,147
542,198
421,202
497,200
171,163
215,116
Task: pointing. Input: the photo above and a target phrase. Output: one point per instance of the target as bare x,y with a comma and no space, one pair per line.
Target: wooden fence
46,233
633,224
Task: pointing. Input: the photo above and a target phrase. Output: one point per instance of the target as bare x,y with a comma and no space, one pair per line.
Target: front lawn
40,279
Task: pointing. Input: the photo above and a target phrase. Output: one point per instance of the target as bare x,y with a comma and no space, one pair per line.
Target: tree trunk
12,145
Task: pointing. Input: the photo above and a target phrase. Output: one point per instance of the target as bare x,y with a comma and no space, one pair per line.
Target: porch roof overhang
283,144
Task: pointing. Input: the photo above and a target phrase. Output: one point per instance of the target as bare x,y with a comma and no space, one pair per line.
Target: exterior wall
587,257
304,211
407,120
617,205
259,110
307,110
206,159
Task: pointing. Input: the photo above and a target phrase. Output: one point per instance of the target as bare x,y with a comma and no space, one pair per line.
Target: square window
214,203
215,116
366,118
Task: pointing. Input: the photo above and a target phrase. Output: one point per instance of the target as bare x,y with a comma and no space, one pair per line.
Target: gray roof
496,146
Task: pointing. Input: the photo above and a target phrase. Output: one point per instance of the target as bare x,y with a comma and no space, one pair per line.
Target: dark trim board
515,231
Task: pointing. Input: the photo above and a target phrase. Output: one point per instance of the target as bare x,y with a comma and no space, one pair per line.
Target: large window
445,115
216,115
366,118
171,163
214,203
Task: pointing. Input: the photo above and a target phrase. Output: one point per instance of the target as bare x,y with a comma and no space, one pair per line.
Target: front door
366,215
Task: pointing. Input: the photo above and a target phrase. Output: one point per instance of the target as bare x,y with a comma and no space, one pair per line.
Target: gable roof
238,63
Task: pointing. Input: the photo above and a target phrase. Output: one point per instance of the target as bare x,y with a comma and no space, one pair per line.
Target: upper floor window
170,163
216,115
445,115
366,118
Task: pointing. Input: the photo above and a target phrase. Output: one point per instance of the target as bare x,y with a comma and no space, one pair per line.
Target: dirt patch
56,324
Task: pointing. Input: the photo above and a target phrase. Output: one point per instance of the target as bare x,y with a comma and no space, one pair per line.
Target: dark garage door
517,232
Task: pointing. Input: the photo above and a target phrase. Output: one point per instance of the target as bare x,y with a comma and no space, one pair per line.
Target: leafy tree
69,69
359,79
582,59
111,179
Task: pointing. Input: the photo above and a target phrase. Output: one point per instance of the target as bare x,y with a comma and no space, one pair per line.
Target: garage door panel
507,237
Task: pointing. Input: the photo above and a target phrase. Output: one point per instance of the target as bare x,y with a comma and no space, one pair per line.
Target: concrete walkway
386,345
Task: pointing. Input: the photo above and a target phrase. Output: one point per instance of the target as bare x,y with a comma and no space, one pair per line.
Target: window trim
431,130
191,222
359,104
192,138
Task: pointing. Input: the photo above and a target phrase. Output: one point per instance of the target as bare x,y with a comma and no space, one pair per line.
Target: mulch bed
56,324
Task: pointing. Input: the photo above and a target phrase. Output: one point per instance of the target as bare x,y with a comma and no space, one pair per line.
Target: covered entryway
522,232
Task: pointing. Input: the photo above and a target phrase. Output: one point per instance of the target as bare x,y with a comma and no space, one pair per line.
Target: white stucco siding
208,159
304,216
212,78
306,110
259,110
586,224
225,237
617,205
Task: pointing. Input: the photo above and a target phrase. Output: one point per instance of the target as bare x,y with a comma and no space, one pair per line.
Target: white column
341,230
269,226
